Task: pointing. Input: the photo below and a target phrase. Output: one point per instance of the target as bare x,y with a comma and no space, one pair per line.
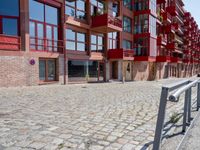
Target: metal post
198,96
161,118
189,104
185,110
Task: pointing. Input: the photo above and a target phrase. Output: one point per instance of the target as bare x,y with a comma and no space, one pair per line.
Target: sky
193,6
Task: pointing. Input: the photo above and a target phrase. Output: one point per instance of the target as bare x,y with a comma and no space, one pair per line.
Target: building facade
70,41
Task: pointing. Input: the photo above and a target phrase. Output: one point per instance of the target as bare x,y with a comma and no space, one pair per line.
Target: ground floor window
85,70
47,69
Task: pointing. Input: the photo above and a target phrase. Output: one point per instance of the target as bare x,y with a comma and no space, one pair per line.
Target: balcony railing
114,21
10,43
126,54
106,22
167,17
40,44
161,40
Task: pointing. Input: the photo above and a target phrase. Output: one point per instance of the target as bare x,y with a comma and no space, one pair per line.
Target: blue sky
193,6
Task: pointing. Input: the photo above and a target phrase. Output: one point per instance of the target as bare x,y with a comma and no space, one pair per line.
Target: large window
75,40
97,43
85,70
113,39
44,27
141,24
127,4
141,5
127,24
47,69
76,9
9,17
141,46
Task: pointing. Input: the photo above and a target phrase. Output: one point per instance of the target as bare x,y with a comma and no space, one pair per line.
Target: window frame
113,41
76,41
97,43
128,28
54,43
11,17
46,69
77,10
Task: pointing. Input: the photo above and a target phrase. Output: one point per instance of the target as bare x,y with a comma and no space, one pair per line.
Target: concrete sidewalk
192,141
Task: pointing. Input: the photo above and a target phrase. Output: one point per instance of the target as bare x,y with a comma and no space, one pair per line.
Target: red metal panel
9,43
104,20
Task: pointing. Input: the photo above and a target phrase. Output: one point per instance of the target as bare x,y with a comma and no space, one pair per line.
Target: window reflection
96,43
10,26
75,40
43,26
126,24
9,17
9,8
76,9
36,15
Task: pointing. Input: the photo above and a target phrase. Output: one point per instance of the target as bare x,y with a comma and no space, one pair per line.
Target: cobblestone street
87,116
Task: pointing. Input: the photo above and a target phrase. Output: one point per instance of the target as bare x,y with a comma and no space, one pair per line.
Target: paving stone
107,115
57,141
65,136
128,147
111,138
36,145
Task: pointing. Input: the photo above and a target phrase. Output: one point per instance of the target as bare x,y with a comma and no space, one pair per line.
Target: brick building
67,41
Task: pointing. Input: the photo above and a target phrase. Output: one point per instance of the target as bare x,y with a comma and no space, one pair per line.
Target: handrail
175,96
181,87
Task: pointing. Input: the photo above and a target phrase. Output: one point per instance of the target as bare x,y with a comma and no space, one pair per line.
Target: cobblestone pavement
87,116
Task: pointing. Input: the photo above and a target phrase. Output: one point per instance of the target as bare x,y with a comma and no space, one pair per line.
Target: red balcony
169,28
12,43
163,59
161,40
46,45
171,46
186,51
178,28
161,1
167,17
123,54
186,60
172,10
176,59
106,23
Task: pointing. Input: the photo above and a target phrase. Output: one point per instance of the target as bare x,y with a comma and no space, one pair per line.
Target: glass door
47,69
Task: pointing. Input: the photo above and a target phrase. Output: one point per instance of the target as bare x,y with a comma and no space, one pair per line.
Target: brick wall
16,71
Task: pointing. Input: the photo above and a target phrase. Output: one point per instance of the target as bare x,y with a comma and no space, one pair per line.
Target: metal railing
43,44
181,87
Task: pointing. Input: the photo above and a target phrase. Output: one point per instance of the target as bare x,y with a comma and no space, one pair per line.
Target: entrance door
47,69
115,70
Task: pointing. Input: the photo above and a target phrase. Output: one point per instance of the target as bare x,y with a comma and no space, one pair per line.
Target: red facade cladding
9,43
